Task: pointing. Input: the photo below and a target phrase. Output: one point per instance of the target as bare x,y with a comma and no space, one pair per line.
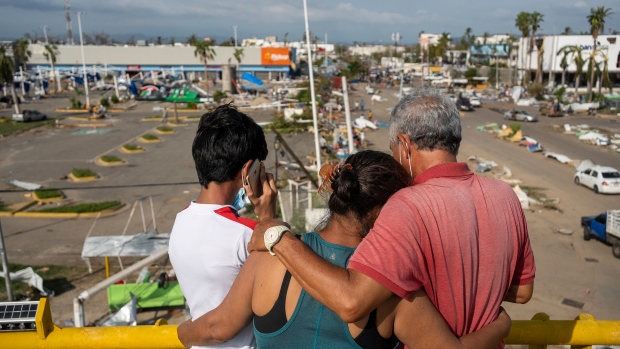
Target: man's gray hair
429,118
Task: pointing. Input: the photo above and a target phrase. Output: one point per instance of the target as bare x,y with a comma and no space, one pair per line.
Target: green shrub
104,102
219,95
83,208
536,90
165,129
48,193
4,207
133,146
111,158
114,99
150,137
515,127
75,103
83,172
191,105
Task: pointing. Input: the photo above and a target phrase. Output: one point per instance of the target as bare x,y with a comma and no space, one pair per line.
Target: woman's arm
419,324
229,318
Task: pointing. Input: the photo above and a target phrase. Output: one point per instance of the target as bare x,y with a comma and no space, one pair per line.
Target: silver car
29,115
519,115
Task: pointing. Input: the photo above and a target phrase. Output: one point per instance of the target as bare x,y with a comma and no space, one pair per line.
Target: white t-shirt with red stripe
208,246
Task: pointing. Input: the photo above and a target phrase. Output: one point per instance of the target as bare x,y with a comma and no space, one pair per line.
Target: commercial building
271,61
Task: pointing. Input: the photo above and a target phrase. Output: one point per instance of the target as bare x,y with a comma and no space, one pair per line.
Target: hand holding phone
253,178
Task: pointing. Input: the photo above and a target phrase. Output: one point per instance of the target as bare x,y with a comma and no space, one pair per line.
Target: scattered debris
561,158
25,185
31,278
564,231
525,200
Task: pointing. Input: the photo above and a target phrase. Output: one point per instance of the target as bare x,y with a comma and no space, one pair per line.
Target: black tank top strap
275,319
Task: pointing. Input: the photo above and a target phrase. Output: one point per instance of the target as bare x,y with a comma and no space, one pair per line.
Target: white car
601,179
475,102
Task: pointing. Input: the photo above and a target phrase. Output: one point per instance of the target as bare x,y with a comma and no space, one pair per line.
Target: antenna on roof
68,16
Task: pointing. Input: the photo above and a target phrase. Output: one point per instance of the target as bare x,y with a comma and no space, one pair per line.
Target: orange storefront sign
275,56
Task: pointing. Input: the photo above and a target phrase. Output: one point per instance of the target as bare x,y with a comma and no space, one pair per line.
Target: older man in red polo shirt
460,237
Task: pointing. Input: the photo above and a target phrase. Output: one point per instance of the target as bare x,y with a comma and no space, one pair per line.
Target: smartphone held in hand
253,178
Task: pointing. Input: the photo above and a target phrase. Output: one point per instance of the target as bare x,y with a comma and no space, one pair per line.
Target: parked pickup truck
606,227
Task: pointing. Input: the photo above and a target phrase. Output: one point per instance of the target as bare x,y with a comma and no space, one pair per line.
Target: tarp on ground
504,133
141,244
251,78
517,136
31,278
182,96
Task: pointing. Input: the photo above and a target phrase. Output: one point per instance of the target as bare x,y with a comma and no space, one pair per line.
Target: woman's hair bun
346,185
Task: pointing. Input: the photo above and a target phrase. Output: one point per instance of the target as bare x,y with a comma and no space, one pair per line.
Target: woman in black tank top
357,190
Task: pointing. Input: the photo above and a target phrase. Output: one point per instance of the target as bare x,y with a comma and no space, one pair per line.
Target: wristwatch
273,235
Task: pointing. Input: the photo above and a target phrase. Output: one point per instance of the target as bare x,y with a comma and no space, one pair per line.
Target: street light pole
45,33
83,60
235,30
5,267
317,149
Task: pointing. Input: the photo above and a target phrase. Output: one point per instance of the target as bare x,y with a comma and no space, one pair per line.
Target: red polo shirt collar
450,169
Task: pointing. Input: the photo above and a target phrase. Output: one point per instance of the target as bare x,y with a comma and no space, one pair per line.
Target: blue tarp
251,78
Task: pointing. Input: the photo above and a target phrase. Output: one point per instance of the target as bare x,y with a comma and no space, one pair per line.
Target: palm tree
577,58
539,73
485,37
51,55
536,18
522,22
192,40
566,31
205,52
442,44
565,52
238,57
21,51
605,73
7,66
596,19
285,38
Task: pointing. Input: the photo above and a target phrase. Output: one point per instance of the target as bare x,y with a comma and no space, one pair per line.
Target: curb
6,214
48,200
171,124
113,163
67,214
186,110
158,119
61,110
83,179
158,140
164,132
124,150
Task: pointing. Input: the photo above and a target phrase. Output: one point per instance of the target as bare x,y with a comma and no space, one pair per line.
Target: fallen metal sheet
125,316
25,185
141,244
561,158
534,148
31,278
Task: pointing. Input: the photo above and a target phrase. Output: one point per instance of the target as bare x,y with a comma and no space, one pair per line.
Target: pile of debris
593,136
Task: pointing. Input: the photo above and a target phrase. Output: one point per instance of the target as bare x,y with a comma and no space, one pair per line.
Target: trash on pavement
564,231
534,148
525,200
561,158
25,185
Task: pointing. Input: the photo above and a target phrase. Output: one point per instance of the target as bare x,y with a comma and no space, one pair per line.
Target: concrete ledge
125,150
6,214
112,163
83,179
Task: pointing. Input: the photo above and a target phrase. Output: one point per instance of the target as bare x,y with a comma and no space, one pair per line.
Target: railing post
539,317
78,313
584,317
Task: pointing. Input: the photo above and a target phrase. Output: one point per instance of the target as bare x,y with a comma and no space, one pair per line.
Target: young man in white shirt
208,243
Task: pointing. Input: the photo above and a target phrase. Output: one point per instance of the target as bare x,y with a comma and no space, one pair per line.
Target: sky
345,21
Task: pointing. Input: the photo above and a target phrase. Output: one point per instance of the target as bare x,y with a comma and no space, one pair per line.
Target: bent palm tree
596,19
565,52
205,52
51,55
22,51
6,75
577,58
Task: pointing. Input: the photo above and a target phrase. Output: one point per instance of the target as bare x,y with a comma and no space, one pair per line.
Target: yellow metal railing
537,333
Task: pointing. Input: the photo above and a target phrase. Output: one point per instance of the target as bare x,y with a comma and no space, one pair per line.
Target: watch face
271,235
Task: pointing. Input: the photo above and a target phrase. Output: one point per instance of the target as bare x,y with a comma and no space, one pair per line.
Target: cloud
581,4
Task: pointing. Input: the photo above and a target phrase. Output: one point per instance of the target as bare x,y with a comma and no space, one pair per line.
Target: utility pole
235,30
5,267
317,148
69,29
45,33
83,60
